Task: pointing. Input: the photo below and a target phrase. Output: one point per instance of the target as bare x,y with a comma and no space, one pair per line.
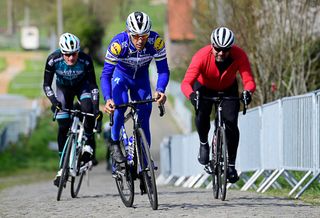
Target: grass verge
3,64
29,82
30,159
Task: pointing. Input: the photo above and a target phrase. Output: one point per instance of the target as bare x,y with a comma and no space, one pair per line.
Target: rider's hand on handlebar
161,97
246,97
109,107
192,98
56,106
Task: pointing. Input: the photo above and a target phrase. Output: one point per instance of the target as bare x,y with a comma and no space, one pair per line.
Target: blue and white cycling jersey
122,56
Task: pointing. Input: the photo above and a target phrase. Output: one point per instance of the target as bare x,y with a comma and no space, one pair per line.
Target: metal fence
18,115
181,113
275,139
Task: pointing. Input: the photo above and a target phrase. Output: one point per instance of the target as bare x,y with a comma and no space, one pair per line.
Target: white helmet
138,23
222,37
69,43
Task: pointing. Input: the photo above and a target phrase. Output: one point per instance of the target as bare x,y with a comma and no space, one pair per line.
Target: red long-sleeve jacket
203,68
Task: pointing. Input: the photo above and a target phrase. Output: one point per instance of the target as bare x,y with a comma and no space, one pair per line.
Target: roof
180,20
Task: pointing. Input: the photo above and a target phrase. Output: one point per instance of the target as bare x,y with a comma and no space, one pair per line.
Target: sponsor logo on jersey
115,48
158,44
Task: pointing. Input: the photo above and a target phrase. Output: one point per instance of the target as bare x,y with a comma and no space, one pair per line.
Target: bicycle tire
215,165
65,167
76,181
125,182
147,168
224,166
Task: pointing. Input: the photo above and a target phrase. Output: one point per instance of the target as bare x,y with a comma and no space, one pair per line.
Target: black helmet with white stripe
222,37
138,23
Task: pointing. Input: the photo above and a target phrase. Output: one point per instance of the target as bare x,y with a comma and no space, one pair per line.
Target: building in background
30,38
180,30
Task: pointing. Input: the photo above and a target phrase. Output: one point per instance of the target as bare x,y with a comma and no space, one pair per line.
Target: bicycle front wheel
76,180
147,168
65,166
215,166
220,165
224,164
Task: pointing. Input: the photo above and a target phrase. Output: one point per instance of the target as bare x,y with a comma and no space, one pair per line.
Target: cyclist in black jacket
75,76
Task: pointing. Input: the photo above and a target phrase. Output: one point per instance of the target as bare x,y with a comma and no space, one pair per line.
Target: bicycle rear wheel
125,182
147,168
65,166
76,180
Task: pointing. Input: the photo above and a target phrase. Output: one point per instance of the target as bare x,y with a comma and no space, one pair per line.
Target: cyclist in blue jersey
75,76
126,69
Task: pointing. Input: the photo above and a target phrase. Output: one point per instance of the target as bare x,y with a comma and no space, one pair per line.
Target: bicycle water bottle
130,151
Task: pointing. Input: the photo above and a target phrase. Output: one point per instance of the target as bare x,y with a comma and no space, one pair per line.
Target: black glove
246,97
193,100
56,105
98,116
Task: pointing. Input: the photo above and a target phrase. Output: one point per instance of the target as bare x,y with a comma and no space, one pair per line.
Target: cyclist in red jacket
213,69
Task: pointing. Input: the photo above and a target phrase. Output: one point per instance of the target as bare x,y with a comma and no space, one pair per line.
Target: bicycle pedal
117,174
90,165
208,169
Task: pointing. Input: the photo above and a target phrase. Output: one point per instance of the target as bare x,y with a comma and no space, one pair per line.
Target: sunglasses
221,49
137,36
71,54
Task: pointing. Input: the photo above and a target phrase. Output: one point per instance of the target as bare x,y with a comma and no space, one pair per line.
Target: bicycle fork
76,145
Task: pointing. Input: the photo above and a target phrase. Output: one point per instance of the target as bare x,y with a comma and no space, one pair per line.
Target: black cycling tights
230,116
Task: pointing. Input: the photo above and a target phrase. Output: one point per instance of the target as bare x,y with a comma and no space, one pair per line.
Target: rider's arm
245,72
111,60
163,75
192,74
93,84
162,64
105,80
49,72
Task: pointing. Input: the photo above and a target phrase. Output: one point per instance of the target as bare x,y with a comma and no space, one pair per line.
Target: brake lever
55,114
111,120
197,99
162,110
245,106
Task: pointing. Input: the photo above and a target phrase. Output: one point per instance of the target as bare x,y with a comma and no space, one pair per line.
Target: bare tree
285,54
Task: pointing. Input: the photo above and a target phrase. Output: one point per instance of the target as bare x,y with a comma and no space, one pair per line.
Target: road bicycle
139,162
71,163
218,164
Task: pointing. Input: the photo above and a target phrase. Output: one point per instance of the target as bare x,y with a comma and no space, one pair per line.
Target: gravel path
15,64
100,199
